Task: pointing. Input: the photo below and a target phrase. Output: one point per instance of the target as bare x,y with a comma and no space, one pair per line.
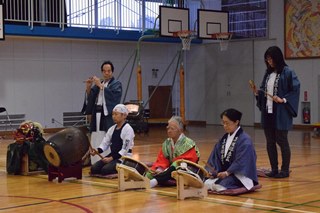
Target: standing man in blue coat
103,95
278,101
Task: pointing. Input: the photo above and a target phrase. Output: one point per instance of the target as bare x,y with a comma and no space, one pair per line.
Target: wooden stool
131,175
189,185
24,169
62,172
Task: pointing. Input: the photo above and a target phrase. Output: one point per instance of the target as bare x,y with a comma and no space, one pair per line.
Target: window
247,18
35,11
110,14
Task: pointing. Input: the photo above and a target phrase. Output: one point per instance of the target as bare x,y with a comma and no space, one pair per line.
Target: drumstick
213,170
254,88
90,147
252,85
85,155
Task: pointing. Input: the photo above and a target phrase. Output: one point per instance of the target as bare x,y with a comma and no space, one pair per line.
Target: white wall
195,75
227,80
42,78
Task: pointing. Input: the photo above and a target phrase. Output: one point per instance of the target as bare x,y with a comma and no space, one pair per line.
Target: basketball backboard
173,19
212,21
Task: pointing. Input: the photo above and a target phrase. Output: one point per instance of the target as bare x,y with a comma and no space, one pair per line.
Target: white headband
121,108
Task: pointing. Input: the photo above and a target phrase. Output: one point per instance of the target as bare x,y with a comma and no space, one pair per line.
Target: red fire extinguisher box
306,113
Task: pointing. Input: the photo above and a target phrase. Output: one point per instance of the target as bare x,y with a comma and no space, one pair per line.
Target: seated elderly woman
233,159
176,147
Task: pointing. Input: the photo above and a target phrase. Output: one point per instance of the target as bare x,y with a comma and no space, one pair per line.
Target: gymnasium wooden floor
298,193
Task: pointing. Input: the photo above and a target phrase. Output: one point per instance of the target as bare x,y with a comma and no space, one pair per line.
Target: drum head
51,155
192,168
135,164
196,170
66,147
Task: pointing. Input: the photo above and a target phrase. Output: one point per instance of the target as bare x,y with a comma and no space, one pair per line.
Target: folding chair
3,109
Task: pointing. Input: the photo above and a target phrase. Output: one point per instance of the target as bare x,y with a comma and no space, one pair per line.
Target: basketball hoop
186,36
223,39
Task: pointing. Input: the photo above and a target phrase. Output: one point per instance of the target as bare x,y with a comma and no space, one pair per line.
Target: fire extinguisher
306,115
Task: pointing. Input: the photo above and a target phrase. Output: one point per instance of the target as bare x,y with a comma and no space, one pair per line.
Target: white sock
218,187
209,183
153,182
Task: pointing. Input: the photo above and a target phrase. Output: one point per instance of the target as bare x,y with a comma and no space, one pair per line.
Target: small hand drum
192,169
134,169
190,177
193,174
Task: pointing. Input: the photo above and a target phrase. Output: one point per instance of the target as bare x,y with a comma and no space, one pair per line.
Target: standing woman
103,95
278,101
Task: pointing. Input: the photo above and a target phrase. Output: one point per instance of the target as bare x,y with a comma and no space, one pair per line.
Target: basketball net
186,36
223,38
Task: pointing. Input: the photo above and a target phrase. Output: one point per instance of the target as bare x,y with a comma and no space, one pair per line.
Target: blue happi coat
112,96
288,87
240,159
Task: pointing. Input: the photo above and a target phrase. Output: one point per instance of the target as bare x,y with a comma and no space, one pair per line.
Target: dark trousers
165,176
104,168
274,137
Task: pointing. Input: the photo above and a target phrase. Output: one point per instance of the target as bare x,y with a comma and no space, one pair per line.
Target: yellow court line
98,183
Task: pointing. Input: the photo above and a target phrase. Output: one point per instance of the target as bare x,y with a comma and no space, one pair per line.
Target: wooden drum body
190,177
66,147
134,170
132,174
193,169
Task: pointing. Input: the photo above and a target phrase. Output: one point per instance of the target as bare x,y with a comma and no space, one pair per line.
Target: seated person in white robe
120,140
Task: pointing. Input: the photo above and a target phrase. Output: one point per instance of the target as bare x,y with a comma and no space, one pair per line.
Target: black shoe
282,174
272,174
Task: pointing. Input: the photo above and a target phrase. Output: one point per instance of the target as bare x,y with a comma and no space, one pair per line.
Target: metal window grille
248,19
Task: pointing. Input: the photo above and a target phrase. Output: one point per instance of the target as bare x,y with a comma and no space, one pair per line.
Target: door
160,103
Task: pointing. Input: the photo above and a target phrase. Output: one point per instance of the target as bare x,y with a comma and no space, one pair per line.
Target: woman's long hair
275,53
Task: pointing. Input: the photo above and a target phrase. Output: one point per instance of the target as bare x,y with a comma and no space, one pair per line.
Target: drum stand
189,186
130,178
62,172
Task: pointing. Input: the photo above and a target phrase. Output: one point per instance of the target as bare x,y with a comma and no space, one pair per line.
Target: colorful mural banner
302,29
